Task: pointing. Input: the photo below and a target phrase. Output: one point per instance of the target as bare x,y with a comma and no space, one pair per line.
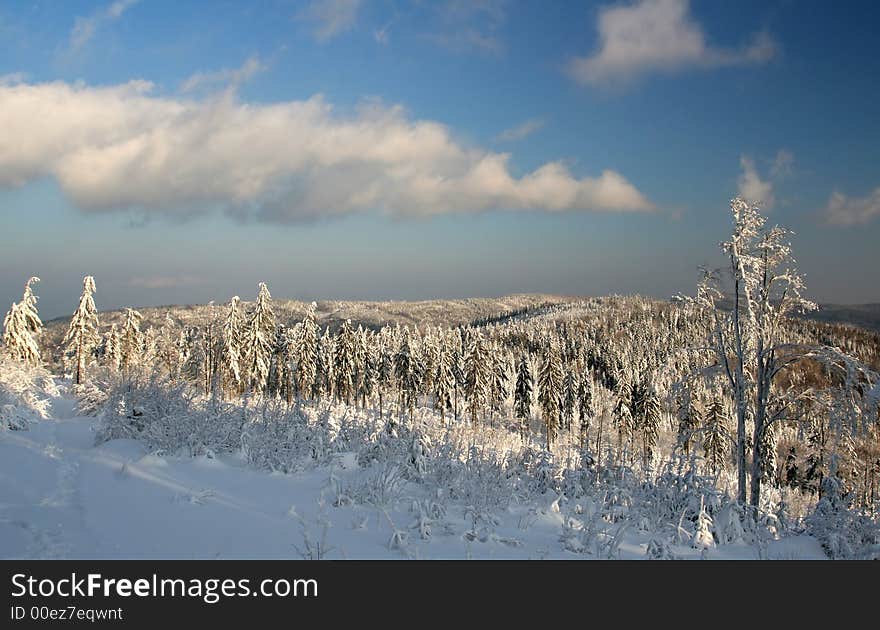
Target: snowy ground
63,497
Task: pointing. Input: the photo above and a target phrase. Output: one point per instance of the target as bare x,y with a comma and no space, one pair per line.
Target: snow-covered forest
716,424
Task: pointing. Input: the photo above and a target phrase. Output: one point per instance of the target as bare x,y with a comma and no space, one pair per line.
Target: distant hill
427,312
861,315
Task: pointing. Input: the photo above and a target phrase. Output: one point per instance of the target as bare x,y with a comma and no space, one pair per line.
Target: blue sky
184,151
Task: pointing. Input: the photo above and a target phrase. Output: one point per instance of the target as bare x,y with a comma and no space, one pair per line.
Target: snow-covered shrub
168,418
381,486
279,439
26,393
843,532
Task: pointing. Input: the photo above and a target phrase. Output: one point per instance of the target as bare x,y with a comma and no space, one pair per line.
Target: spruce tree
444,382
344,362
259,339
550,390
22,327
716,436
523,396
132,342
229,355
306,353
585,407
476,376
82,333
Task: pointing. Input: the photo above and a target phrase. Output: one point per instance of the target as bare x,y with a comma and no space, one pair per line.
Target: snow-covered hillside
63,497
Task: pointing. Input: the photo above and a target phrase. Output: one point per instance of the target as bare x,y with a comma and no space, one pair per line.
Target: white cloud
231,78
783,164
657,36
751,187
466,26
331,17
844,211
120,147
521,131
84,28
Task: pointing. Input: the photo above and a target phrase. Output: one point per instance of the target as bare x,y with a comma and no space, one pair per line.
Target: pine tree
408,374
550,390
476,376
306,353
384,373
689,415
344,362
82,334
585,407
324,367
523,396
113,349
229,355
498,378
444,382
650,423
369,379
132,342
716,436
623,413
22,327
170,346
569,398
259,338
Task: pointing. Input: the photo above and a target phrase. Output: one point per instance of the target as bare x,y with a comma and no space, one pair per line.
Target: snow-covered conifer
258,341
550,390
132,342
476,376
523,395
22,327
82,333
305,354
229,355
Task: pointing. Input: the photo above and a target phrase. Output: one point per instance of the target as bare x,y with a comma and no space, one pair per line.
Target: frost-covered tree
133,346
476,376
407,372
22,327
306,353
748,341
384,374
444,382
368,382
569,397
113,349
585,407
324,367
229,354
716,436
170,348
523,395
550,390
82,333
258,341
344,362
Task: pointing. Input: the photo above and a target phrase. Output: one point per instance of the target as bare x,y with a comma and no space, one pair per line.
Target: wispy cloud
846,211
84,28
657,36
520,131
467,26
330,17
751,187
783,164
230,78
121,148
